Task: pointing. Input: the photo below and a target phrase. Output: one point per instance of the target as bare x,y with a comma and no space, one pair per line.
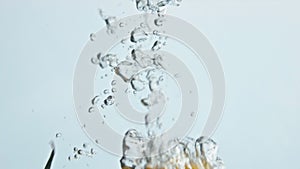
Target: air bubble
57,135
80,152
92,151
92,37
192,114
121,24
123,41
95,60
137,84
106,91
138,35
155,32
109,100
95,100
114,82
161,78
102,106
159,21
91,110
143,25
84,145
156,46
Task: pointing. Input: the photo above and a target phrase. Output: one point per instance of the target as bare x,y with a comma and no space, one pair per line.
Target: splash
184,154
143,70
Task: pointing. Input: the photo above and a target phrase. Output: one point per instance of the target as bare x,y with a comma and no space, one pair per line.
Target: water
143,72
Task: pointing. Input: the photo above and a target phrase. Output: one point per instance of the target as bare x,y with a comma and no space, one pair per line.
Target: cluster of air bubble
177,154
155,6
84,151
143,71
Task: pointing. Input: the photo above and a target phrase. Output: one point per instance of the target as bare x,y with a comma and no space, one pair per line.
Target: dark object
48,165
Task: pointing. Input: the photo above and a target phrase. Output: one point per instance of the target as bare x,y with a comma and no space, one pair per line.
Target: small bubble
138,35
137,84
95,60
106,91
75,149
156,46
75,156
80,152
110,30
69,158
123,41
91,110
114,82
143,25
97,141
161,78
113,90
92,151
84,145
145,102
192,114
92,37
95,100
57,135
121,24
159,21
102,106
109,100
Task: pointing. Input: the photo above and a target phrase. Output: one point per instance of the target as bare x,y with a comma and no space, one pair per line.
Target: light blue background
257,42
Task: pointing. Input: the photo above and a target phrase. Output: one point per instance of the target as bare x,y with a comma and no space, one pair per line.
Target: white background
257,43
